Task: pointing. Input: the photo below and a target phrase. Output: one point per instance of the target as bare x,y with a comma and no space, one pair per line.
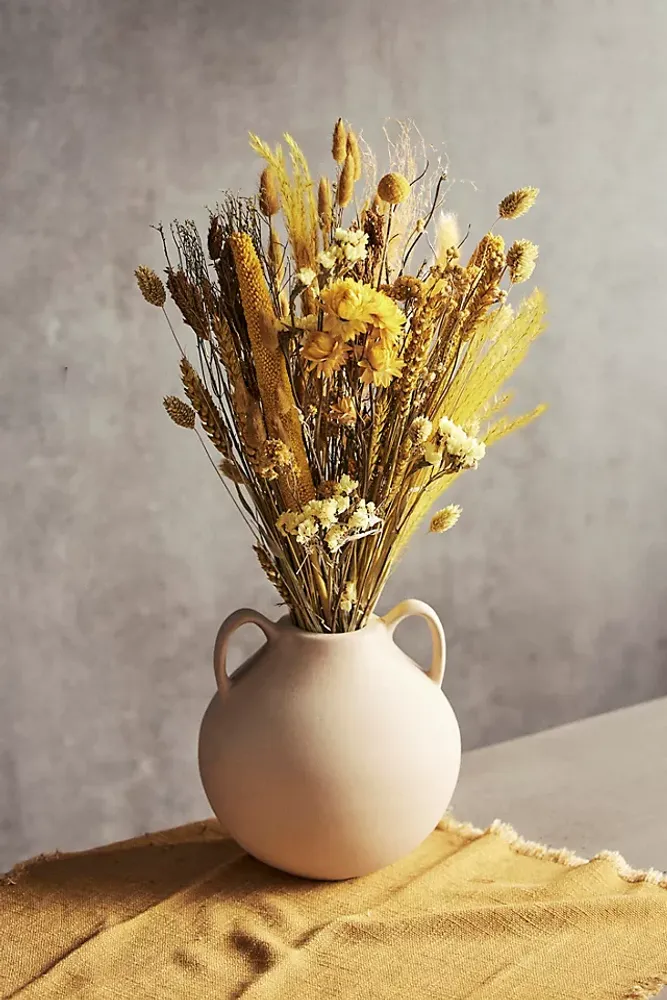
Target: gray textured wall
119,553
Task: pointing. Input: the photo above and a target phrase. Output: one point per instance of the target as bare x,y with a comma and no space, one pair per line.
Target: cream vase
330,756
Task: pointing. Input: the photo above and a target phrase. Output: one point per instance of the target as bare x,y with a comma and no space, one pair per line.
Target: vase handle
413,607
245,616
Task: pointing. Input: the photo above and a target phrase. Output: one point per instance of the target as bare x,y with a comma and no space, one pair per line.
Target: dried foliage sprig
342,393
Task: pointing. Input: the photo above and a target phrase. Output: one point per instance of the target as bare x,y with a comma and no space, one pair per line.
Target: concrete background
120,554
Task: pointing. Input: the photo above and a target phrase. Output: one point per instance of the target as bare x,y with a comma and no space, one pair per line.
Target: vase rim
285,623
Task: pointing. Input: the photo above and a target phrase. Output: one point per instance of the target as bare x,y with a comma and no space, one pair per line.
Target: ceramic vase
330,756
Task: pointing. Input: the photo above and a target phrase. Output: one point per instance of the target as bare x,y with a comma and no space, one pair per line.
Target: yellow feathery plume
280,411
492,362
506,425
339,141
297,198
354,151
346,182
447,236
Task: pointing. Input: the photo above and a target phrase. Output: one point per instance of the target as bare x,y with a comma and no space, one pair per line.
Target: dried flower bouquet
342,393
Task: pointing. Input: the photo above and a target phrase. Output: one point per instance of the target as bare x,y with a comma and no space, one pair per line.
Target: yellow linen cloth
469,914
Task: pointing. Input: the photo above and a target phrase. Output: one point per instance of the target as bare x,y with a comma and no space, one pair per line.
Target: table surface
590,785
600,783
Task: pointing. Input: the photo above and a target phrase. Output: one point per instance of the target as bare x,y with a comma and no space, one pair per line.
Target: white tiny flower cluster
305,277
334,520
348,247
452,441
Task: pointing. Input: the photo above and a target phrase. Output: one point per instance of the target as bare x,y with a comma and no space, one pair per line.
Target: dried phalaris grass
445,519
521,260
180,412
339,141
150,286
518,202
348,367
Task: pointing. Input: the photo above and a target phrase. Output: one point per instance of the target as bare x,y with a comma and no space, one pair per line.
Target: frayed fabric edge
647,989
562,855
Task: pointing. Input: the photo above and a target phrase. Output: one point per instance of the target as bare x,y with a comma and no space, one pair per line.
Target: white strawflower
306,276
347,484
326,259
335,537
306,529
460,445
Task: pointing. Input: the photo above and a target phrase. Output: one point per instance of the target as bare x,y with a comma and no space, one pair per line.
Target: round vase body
330,756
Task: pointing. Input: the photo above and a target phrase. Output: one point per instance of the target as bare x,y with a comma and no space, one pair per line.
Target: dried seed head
354,151
180,412
346,182
521,260
215,238
339,142
445,519
394,188
150,286
269,192
517,203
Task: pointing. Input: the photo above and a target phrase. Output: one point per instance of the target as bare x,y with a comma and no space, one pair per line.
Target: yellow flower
380,364
324,352
387,318
394,188
346,309
351,307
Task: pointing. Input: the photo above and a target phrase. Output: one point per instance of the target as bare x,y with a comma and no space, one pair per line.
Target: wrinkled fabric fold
469,915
